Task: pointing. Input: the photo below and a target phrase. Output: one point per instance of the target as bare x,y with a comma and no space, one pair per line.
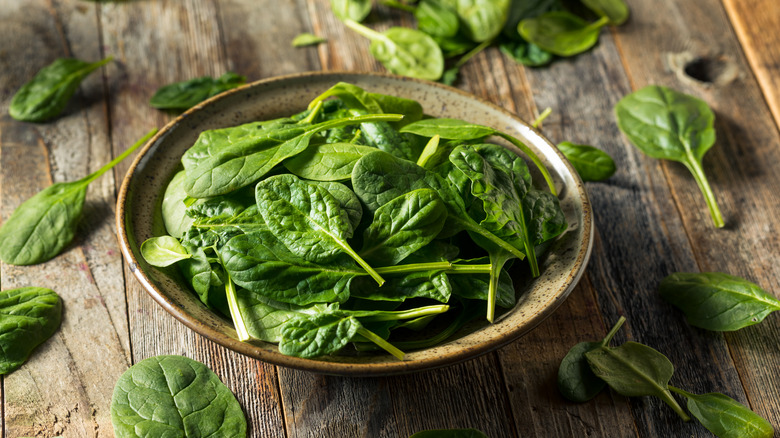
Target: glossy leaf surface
28,317
561,33
590,163
163,251
186,94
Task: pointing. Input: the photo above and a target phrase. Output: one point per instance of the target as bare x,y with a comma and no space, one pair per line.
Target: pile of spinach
450,32
356,221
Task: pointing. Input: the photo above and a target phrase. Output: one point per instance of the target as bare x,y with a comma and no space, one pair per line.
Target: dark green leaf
718,301
576,381
434,285
615,10
561,33
526,53
186,94
307,39
346,198
666,124
727,418
327,162
317,335
482,20
47,94
590,163
436,19
28,317
174,396
163,251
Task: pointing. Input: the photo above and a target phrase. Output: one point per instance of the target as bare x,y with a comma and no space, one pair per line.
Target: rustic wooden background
651,219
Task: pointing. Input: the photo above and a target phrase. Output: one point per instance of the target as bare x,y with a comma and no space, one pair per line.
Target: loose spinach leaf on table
356,10
590,163
47,94
174,396
45,224
482,20
576,381
526,53
28,317
307,39
664,123
163,251
404,51
615,10
436,19
186,94
726,417
718,301
561,33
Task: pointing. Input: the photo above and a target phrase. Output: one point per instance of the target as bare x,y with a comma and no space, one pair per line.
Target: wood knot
704,70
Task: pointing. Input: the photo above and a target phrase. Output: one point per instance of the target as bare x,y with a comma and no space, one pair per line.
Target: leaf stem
414,267
701,179
607,339
364,264
428,151
235,310
468,225
119,158
537,124
497,262
388,347
534,158
404,314
365,31
482,268
313,114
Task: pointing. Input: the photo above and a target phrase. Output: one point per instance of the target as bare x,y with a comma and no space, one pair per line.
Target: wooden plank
742,167
66,387
757,25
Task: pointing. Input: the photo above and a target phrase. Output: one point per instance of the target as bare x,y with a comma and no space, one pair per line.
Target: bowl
138,219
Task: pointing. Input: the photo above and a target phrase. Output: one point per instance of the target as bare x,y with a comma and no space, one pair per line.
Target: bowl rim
345,368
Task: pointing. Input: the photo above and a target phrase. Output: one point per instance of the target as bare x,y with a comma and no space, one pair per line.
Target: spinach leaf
346,198
174,396
45,224
633,370
433,284
327,162
308,220
265,317
725,417
590,163
163,251
718,301
226,163
525,53
664,123
28,317
478,287
356,10
454,129
561,33
449,433
615,10
522,9
46,95
402,226
482,20
307,39
318,335
436,19
404,51
576,380
174,207
186,94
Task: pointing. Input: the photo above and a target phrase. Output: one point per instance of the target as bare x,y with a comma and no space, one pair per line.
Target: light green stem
701,179
314,113
405,314
388,347
470,54
538,122
488,235
482,268
414,267
364,264
605,342
428,151
603,21
497,262
534,158
235,311
119,158
366,32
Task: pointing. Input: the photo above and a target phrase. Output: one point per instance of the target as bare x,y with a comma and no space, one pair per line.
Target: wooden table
650,217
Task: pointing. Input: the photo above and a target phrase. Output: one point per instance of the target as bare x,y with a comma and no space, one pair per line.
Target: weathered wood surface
650,217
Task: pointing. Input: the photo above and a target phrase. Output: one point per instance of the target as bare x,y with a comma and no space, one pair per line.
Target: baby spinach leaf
174,207
327,162
28,317
432,284
436,19
307,39
482,20
174,396
449,433
265,317
163,251
317,335
47,94
186,94
561,33
664,123
725,417
615,10
307,219
45,224
226,163
346,198
576,381
477,287
590,163
525,53
718,301
356,10
634,370
404,51
402,226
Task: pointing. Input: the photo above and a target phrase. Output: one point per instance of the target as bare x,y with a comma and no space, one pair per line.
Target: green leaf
317,335
174,396
47,94
346,198
590,163
327,162
402,226
42,226
186,94
615,10
437,19
432,284
163,251
356,10
449,433
561,33
28,317
307,39
666,124
725,417
525,53
635,370
482,20
718,301
174,208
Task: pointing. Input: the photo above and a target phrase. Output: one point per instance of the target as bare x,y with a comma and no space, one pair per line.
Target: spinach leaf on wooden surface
590,163
307,39
47,94
28,317
666,124
356,10
718,301
615,10
561,33
437,19
42,226
186,94
525,53
726,417
163,251
174,396
482,20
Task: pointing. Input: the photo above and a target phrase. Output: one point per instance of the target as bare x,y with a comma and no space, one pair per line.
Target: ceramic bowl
138,218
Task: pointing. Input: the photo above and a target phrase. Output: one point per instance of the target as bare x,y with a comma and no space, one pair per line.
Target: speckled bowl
138,219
